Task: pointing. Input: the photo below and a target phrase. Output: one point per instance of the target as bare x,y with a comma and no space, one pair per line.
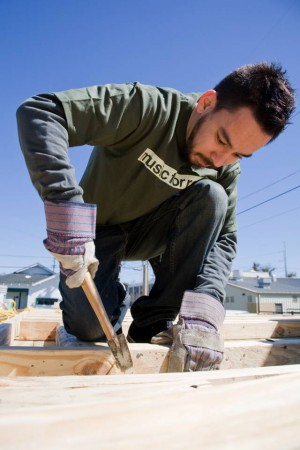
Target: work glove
71,230
196,343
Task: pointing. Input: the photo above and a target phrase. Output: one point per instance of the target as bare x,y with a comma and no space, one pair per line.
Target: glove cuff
71,218
196,305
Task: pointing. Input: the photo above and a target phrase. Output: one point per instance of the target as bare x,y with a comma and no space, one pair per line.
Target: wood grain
170,411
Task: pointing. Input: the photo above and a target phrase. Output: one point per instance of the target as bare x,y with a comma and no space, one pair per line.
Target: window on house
295,298
229,299
249,298
45,301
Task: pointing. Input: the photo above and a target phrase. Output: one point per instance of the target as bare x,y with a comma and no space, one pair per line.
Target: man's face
218,138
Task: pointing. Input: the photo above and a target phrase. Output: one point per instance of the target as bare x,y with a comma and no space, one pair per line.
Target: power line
17,267
127,267
260,255
269,185
275,25
269,218
26,256
268,200
295,114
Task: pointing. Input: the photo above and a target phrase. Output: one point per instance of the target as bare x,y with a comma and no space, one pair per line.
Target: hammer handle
94,298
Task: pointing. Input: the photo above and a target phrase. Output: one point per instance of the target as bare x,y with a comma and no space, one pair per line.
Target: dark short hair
265,89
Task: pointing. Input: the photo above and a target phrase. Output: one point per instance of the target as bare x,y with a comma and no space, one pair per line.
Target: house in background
254,292
31,286
136,290
3,291
258,292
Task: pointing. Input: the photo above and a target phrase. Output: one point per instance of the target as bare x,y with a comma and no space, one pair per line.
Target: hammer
117,342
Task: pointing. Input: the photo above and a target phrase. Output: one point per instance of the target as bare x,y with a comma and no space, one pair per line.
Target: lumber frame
37,354
97,358
39,327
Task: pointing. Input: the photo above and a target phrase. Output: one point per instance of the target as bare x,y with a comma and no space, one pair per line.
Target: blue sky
51,46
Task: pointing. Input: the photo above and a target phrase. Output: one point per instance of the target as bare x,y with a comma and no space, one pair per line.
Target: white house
255,292
3,292
32,285
259,292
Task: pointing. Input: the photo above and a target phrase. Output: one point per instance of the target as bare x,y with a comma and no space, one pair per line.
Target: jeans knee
83,332
213,195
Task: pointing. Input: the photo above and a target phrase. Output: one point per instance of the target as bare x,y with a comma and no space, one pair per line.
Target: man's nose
219,158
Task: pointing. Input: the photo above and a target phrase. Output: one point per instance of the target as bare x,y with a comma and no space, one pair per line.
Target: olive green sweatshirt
139,135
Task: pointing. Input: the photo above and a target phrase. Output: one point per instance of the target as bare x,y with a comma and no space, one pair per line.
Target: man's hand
196,346
196,343
71,229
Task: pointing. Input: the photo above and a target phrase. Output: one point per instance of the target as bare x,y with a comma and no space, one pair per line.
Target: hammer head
120,350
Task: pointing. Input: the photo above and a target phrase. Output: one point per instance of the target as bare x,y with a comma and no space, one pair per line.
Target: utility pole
145,278
284,257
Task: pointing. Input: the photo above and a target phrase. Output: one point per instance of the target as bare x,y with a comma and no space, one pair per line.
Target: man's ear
207,100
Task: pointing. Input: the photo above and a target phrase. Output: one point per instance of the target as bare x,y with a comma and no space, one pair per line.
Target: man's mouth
201,161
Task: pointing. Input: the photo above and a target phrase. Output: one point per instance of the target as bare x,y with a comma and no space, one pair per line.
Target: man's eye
221,141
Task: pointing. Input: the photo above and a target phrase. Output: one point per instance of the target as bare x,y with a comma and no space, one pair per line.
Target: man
160,185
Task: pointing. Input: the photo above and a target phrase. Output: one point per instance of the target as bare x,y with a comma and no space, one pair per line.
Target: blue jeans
175,238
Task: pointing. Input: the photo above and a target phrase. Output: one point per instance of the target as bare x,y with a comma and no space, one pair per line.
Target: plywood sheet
170,411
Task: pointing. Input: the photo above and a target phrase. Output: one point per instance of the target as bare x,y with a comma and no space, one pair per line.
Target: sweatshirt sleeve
50,123
217,266
43,136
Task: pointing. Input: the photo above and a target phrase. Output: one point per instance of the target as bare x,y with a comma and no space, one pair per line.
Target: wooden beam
39,361
88,360
40,325
37,330
260,327
151,411
147,358
245,354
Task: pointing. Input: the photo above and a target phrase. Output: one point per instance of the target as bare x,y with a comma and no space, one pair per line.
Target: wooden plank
147,358
263,328
238,354
39,324
193,378
250,329
242,354
40,361
53,361
29,344
158,411
37,330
